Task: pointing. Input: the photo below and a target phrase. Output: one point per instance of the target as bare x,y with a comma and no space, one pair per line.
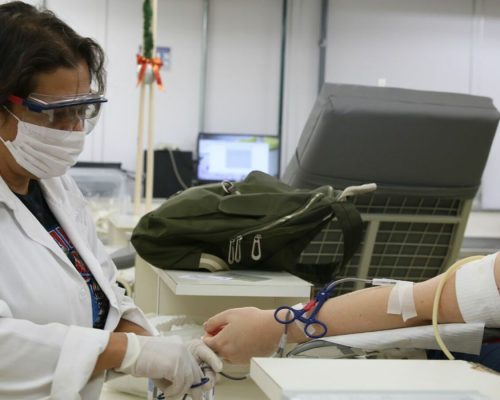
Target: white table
203,294
276,376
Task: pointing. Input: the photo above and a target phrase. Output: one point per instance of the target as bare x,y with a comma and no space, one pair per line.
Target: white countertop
276,376
248,283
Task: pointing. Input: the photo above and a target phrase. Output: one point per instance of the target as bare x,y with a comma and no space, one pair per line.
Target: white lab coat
48,347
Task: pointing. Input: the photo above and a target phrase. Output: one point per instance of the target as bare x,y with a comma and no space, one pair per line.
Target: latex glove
210,362
241,333
166,360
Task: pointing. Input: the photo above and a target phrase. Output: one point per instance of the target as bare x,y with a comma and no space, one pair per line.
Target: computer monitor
232,156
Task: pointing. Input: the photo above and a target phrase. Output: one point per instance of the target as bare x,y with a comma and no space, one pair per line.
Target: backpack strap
351,224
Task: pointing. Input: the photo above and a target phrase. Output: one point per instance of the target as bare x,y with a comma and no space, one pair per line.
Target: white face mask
45,152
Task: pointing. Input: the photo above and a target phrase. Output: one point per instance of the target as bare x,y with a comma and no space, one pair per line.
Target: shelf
244,283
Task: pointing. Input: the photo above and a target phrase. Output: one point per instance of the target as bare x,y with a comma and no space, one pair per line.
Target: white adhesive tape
478,296
301,325
401,300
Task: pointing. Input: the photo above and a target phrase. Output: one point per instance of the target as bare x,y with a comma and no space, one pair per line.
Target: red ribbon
156,64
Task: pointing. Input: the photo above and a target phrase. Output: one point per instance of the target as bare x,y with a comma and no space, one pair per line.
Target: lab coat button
83,293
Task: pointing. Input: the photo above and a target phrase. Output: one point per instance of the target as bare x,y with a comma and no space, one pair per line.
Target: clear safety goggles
75,113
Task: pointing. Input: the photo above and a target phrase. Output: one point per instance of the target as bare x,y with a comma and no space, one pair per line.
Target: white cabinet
203,294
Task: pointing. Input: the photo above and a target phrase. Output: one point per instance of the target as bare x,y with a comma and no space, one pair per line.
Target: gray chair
425,150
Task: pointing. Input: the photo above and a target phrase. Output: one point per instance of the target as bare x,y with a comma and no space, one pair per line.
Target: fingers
203,354
196,394
212,376
178,387
221,343
214,324
162,384
188,374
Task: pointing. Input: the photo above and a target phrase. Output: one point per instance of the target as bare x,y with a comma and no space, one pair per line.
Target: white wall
416,44
243,67
88,18
301,71
446,45
242,72
487,82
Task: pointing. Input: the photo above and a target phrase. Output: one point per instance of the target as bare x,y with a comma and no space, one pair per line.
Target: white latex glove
210,362
167,361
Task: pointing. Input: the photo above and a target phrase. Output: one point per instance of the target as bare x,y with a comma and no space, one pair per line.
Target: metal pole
151,119
204,65
284,26
323,32
139,157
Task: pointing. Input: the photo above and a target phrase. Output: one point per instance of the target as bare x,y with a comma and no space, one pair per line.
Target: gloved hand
168,362
210,362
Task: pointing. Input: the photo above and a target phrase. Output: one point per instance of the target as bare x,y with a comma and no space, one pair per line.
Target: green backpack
258,223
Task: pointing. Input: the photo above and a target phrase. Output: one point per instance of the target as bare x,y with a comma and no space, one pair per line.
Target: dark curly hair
35,41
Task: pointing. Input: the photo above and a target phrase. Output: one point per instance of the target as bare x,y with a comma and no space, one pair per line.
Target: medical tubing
343,280
233,378
204,380
280,351
225,375
437,299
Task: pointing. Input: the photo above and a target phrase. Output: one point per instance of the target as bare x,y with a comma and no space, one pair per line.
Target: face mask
45,152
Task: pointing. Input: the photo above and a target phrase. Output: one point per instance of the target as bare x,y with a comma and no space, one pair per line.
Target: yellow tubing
437,299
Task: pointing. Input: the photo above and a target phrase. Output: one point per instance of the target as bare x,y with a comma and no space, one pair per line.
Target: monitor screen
232,157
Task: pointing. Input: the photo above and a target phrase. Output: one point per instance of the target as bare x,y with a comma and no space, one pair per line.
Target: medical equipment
313,328
207,396
427,172
408,342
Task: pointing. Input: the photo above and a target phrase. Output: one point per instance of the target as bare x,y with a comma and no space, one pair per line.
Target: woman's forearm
113,354
129,326
366,310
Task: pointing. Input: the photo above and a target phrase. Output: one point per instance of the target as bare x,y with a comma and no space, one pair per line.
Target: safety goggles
76,112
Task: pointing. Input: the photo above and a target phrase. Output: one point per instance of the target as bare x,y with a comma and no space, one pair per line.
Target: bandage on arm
401,300
477,292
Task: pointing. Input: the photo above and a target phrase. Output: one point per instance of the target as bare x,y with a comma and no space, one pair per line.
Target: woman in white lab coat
63,319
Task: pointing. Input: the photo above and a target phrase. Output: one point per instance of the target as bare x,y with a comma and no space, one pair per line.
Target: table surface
276,376
249,283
